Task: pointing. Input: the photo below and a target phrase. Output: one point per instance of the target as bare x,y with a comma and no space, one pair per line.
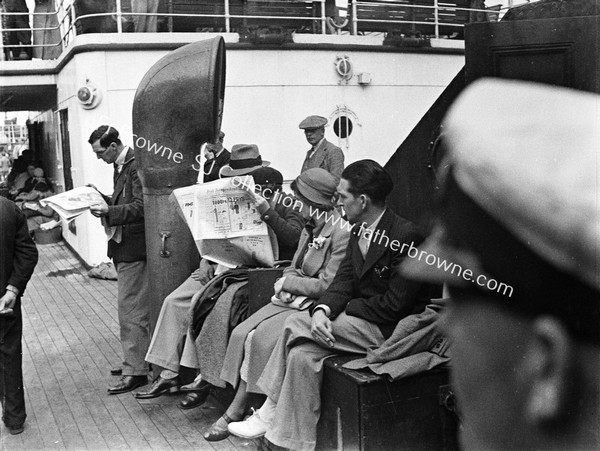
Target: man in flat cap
322,154
519,238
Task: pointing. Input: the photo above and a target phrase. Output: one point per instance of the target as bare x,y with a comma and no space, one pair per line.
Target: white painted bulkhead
268,92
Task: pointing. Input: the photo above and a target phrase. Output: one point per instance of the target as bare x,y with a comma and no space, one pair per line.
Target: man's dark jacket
287,223
212,167
372,288
18,253
126,209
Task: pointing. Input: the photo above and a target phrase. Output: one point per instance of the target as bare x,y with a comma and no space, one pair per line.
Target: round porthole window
342,127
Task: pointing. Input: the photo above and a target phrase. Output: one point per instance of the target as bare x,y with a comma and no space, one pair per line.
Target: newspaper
225,224
72,203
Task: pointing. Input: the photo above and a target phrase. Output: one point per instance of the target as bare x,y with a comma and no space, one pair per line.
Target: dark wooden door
561,51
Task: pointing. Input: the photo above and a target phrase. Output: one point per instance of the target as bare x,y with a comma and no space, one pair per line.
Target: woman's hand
286,296
279,285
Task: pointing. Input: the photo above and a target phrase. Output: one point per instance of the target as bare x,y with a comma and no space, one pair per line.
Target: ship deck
70,342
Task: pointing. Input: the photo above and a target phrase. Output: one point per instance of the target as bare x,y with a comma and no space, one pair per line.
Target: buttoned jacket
126,209
372,288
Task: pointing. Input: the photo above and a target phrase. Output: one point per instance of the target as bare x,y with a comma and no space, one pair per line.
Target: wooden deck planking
70,342
57,380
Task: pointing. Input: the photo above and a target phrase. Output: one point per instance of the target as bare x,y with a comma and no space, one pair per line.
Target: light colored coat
311,279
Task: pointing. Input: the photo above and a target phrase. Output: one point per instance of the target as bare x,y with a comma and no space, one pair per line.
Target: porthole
342,127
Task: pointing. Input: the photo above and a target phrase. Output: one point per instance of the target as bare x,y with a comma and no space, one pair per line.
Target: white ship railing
436,18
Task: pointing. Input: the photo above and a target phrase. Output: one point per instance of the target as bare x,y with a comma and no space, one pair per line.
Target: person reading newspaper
320,252
171,346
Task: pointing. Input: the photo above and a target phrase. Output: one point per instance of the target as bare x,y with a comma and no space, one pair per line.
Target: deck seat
364,411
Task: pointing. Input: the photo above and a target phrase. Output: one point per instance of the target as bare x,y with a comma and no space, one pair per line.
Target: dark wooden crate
364,411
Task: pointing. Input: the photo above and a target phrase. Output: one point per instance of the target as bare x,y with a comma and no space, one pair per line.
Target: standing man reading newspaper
124,216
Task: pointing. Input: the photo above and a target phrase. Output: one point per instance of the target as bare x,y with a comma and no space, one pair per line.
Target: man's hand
262,205
322,328
205,272
7,301
99,210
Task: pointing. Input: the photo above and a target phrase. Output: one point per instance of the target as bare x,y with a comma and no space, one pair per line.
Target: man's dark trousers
11,376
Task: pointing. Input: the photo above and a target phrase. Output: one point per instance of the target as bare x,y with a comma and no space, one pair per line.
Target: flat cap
521,201
317,185
313,122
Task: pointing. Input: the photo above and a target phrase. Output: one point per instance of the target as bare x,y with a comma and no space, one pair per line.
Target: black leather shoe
128,383
194,399
116,371
14,430
195,386
159,387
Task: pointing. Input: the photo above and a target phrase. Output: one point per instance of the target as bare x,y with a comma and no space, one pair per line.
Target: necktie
363,243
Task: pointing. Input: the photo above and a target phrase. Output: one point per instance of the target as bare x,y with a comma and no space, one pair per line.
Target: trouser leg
293,375
189,355
166,347
151,21
11,370
144,23
134,314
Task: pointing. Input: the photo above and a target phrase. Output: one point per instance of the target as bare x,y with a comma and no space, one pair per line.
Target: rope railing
365,17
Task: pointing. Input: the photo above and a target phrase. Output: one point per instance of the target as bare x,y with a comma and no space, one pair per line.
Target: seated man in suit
358,311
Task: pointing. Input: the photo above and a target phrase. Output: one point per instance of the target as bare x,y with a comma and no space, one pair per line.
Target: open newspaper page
225,224
72,203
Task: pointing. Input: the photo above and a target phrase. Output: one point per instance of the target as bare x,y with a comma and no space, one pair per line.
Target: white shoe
251,427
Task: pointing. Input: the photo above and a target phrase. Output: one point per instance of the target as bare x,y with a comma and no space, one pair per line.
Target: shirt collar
121,158
375,223
319,144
